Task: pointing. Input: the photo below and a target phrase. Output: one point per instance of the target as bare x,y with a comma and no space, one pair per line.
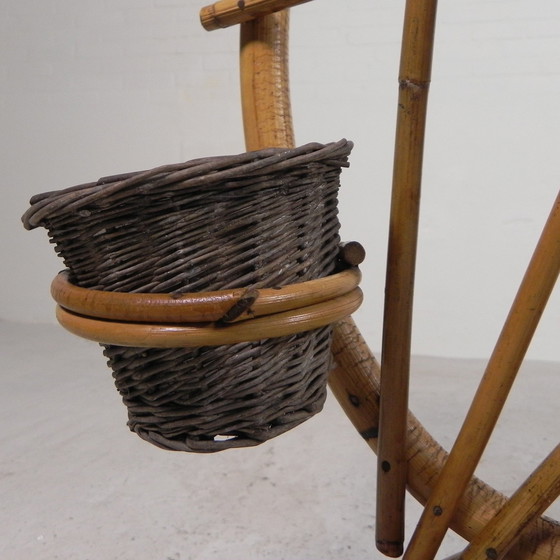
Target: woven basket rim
214,171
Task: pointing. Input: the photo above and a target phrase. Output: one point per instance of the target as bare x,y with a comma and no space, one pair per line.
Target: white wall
89,89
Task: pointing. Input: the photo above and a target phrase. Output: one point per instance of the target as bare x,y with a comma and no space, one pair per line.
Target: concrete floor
76,484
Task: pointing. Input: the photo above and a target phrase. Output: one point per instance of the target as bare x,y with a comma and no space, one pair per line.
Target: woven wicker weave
259,219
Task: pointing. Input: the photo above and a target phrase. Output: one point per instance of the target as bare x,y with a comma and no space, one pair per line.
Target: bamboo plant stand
409,456
373,395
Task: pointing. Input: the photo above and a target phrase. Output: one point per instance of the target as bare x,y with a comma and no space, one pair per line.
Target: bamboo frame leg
355,382
529,501
414,79
492,392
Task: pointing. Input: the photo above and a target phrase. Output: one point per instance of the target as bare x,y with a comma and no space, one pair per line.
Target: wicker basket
260,219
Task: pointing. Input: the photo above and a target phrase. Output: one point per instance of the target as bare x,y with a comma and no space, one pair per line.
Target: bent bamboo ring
199,307
193,335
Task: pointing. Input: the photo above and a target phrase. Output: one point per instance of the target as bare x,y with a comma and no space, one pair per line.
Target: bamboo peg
351,253
492,392
530,500
231,12
414,79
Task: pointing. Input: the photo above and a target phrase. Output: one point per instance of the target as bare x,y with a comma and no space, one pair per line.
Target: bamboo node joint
414,85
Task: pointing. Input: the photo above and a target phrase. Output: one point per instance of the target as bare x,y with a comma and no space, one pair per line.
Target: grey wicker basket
259,219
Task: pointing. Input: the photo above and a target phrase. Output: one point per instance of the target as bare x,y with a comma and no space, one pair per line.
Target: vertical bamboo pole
414,79
530,500
492,392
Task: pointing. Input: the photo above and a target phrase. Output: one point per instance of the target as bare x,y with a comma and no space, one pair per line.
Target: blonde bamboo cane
492,392
529,501
355,382
230,12
265,84
414,79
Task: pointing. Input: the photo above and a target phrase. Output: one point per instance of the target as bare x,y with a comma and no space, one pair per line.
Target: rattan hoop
200,307
172,335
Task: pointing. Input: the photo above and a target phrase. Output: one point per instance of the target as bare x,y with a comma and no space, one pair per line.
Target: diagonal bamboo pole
414,80
530,500
356,380
492,392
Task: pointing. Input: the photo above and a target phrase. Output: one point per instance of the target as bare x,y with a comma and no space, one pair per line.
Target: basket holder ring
206,318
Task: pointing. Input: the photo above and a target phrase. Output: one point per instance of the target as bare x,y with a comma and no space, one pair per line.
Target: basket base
209,399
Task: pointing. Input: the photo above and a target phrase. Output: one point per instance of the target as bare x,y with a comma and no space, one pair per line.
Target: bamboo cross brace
226,13
491,395
530,500
414,79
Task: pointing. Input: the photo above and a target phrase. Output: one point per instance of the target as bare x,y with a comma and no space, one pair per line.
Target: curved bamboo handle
265,99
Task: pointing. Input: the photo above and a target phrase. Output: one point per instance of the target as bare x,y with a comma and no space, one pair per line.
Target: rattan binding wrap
259,219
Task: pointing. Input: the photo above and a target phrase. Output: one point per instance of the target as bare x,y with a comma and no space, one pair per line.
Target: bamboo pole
414,79
530,500
356,381
265,101
226,13
492,392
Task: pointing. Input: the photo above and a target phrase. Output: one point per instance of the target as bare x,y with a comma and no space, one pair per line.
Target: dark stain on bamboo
370,433
241,306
